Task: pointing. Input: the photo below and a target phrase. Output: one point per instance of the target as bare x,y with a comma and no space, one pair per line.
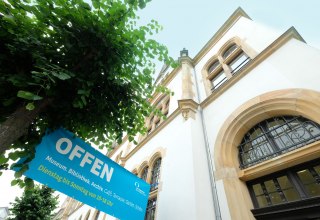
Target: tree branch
17,124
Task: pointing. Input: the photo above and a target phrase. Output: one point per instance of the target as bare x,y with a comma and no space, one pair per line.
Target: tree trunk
17,124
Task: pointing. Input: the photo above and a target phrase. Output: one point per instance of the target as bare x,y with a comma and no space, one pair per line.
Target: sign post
68,164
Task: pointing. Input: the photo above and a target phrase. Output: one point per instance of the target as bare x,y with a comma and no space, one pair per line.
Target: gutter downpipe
216,205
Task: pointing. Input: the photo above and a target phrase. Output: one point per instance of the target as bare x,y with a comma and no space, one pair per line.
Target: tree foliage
85,67
36,204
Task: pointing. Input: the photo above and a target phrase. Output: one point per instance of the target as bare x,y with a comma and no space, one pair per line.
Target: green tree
85,67
35,204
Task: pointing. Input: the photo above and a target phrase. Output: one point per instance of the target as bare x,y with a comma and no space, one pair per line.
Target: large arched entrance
293,102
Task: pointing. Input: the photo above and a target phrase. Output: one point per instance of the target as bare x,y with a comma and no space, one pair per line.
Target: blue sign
68,164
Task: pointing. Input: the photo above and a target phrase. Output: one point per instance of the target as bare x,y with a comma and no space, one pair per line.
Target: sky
190,24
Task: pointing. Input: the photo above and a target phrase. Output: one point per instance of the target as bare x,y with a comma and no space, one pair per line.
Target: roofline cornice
220,33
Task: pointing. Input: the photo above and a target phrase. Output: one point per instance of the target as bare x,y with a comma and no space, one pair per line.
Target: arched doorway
293,102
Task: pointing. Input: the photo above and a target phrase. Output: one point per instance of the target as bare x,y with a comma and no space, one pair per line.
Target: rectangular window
157,123
151,209
218,80
294,184
275,191
237,63
311,181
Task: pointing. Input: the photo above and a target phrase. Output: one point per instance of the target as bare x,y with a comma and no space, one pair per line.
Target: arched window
238,62
154,121
87,215
229,60
144,174
155,174
213,66
276,136
96,215
230,50
235,58
151,209
134,172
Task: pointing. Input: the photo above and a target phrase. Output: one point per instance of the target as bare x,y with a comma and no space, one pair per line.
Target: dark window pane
229,50
284,182
310,181
213,66
218,80
257,189
275,136
275,198
317,169
270,187
237,63
157,123
290,193
151,209
155,174
144,174
305,176
313,189
262,201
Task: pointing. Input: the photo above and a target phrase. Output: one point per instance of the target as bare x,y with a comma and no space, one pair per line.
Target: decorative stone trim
281,102
188,108
291,33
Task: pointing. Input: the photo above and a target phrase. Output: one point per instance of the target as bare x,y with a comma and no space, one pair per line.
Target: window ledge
295,157
302,209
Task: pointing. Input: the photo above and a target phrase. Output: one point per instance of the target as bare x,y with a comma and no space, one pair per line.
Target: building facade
4,213
241,137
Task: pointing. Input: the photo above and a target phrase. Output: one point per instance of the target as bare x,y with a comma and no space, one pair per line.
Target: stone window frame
224,62
152,210
87,215
153,121
271,104
150,163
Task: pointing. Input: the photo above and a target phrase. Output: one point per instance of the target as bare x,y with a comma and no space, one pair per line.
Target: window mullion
269,137
315,175
293,177
279,190
266,194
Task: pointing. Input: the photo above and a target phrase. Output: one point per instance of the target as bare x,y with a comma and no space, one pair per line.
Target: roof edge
238,13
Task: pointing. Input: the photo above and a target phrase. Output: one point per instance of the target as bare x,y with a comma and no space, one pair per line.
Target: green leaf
28,95
29,183
14,182
142,4
3,159
30,106
19,173
9,18
96,3
61,75
16,155
9,101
